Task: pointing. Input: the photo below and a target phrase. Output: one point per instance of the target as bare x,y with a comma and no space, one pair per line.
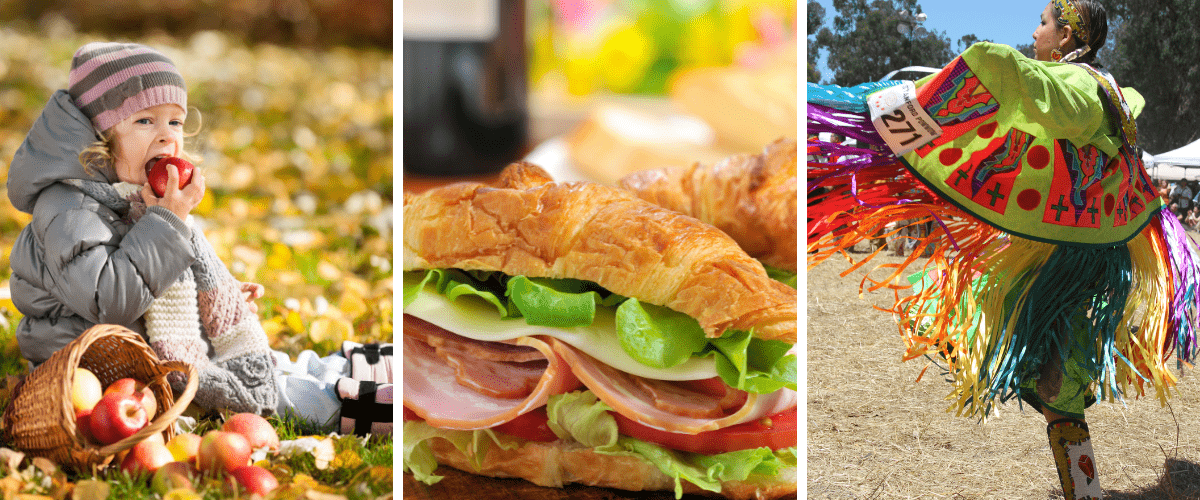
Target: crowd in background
1183,198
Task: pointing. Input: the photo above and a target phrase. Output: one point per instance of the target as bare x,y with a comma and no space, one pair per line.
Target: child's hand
181,202
252,291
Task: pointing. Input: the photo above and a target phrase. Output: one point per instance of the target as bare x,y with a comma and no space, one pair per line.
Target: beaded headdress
1069,16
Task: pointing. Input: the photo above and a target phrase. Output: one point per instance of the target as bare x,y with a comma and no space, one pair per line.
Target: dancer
1057,276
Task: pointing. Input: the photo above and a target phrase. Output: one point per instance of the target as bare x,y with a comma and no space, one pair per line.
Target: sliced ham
673,408
681,398
433,391
453,382
496,369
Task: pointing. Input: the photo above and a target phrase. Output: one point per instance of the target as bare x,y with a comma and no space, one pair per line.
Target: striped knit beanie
111,81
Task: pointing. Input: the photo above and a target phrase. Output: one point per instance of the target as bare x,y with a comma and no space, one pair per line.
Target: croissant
528,225
751,197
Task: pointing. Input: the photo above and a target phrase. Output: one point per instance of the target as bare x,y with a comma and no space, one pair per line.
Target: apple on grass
146,458
173,476
137,389
254,479
184,447
158,175
116,417
257,431
222,451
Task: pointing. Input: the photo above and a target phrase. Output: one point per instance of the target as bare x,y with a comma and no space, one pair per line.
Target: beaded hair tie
1069,16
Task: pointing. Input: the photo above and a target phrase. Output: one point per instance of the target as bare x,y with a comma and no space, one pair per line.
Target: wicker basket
40,419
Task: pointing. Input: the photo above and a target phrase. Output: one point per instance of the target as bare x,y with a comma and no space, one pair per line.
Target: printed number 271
901,126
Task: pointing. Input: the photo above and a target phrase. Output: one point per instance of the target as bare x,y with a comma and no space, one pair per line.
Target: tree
866,43
1026,49
967,41
816,17
1153,48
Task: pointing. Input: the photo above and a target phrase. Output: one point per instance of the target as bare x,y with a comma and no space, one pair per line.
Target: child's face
146,135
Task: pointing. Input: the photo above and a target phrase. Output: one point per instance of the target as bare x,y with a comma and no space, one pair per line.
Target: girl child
102,248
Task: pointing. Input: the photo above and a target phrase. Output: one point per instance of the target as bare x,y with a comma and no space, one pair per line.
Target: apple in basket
85,390
257,431
138,390
116,417
222,451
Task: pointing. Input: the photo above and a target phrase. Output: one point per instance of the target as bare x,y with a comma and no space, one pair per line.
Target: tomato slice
410,415
775,432
531,426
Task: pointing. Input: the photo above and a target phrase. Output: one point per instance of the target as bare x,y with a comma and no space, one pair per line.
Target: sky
1010,22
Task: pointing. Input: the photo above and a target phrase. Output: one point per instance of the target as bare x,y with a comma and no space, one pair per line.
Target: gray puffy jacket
77,263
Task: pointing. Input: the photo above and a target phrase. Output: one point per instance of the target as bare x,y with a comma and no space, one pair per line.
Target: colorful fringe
993,307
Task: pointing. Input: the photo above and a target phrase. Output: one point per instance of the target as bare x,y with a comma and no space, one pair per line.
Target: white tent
1187,156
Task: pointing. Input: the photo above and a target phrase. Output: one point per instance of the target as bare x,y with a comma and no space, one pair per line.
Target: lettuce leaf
653,335
419,458
454,283
781,275
657,336
582,417
752,364
557,303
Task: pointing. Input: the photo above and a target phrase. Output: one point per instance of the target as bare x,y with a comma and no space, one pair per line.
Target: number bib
900,120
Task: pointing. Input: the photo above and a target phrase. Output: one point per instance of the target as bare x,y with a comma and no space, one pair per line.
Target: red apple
185,447
256,480
158,175
83,423
257,431
222,451
138,390
85,390
146,458
116,417
172,476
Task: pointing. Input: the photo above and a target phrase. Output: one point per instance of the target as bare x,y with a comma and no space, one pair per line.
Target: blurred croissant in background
751,197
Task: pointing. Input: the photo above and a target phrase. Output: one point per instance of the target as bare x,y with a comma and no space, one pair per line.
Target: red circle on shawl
1029,199
987,130
1038,157
950,156
1109,203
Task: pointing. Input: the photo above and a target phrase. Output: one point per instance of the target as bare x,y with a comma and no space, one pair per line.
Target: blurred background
296,102
608,86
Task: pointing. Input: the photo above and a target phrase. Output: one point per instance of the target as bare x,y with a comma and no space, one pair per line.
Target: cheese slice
476,319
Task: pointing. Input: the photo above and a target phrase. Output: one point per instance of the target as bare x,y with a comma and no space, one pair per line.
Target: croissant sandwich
574,333
752,197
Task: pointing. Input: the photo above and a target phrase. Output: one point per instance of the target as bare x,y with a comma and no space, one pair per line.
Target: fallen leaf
11,458
347,459
46,465
10,486
90,489
329,329
320,448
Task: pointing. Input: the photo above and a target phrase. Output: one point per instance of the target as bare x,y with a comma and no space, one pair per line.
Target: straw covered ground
875,432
